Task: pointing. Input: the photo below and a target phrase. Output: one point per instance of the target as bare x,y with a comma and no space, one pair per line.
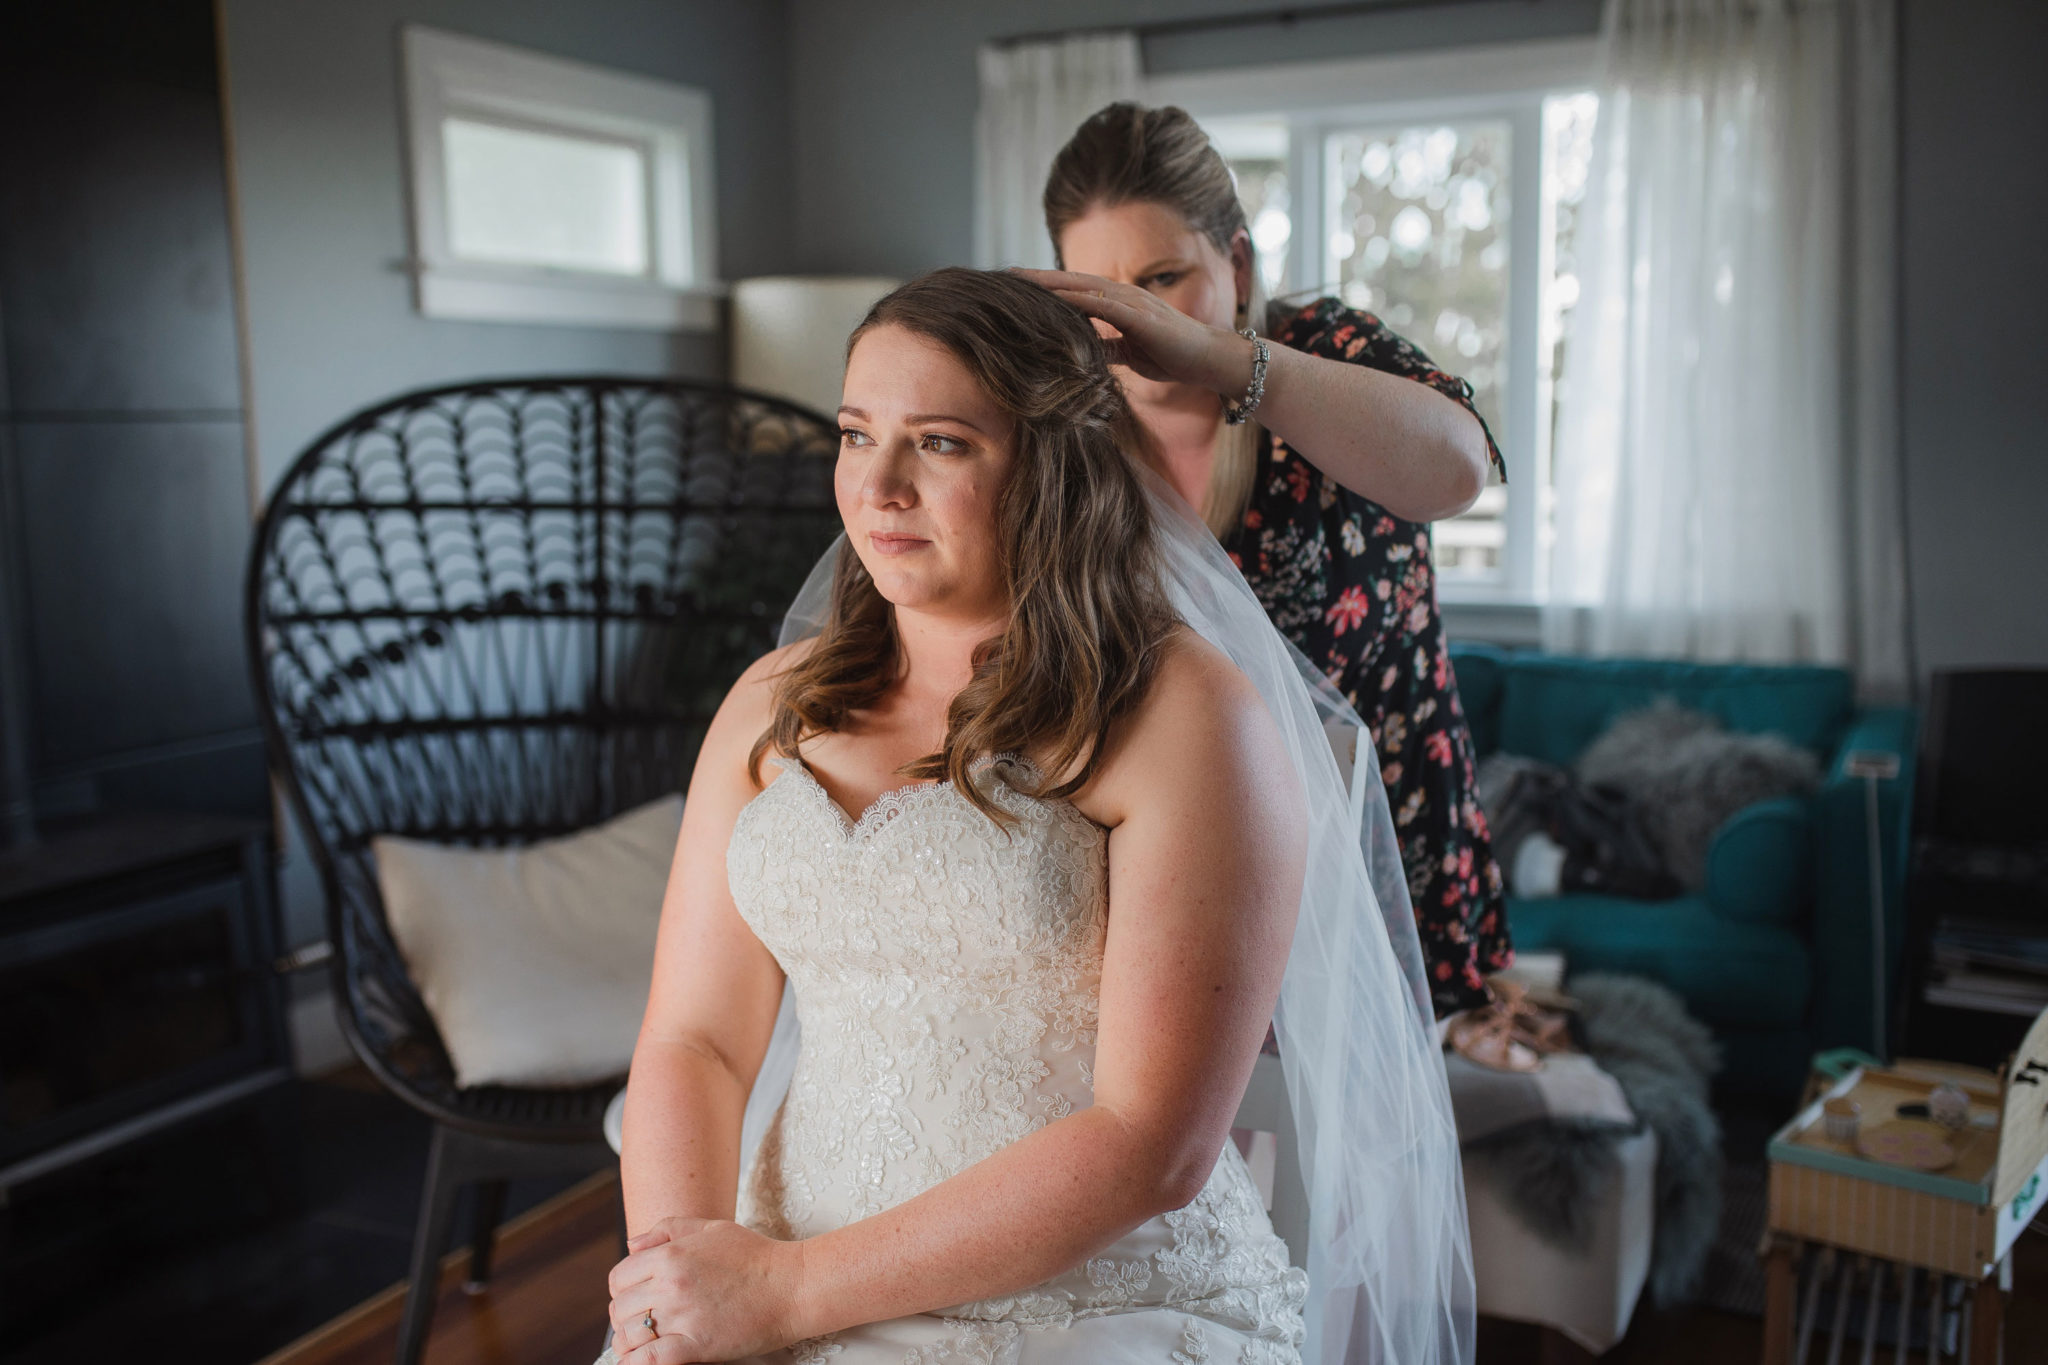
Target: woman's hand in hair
1414,451
1151,336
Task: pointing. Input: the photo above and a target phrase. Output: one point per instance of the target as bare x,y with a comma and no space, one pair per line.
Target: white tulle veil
1389,1258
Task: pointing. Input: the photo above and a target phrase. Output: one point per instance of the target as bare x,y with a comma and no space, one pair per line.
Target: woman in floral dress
1324,500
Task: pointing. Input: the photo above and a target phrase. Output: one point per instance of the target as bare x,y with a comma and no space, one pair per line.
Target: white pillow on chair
534,961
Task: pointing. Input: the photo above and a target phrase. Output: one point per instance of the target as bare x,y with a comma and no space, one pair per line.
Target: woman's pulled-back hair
1124,153
1087,614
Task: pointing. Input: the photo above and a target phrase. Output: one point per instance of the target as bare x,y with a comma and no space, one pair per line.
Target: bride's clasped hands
713,1289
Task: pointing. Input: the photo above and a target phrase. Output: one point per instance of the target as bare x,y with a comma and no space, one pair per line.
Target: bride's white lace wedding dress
947,974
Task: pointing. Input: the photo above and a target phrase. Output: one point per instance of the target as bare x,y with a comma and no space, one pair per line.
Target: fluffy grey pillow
534,961
1686,776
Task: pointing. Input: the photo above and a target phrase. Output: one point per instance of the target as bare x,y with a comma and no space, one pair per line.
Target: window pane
520,197
1418,234
1256,151
1567,156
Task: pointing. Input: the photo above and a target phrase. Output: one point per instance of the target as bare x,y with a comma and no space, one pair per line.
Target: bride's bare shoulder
1201,722
747,710
1195,676
755,688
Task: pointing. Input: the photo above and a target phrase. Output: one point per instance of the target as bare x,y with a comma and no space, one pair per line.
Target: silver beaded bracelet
1234,414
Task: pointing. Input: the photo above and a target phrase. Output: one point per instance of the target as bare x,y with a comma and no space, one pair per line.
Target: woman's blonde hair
1125,153
1088,617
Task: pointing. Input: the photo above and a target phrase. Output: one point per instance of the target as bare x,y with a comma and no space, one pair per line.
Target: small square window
547,190
517,196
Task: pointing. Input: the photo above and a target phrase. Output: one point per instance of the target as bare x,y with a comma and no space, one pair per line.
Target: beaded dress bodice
947,973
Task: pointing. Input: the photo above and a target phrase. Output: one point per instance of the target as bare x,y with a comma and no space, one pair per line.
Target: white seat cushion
534,961
1590,1297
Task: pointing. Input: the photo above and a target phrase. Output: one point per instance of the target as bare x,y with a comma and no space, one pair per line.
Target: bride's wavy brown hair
1088,617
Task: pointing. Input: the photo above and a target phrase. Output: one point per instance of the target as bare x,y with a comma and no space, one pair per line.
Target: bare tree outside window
1419,235
1567,157
1417,227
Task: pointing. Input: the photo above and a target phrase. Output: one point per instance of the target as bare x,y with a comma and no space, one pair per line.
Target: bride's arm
1205,867
713,1000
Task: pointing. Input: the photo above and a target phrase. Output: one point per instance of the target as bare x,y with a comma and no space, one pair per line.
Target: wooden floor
546,1302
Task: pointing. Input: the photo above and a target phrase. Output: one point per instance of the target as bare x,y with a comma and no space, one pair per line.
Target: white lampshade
789,333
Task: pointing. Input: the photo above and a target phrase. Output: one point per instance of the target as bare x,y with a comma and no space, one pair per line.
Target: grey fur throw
1554,1174
1684,776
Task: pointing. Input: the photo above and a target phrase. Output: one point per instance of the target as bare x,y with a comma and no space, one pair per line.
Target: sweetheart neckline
884,808
851,826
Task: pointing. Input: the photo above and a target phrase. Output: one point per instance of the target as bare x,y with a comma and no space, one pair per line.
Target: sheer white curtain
1033,96
1727,481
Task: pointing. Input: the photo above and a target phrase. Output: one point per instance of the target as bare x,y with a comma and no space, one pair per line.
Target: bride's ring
648,1323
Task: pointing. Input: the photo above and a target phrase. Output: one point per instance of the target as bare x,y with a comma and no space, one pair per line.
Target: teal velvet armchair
1774,952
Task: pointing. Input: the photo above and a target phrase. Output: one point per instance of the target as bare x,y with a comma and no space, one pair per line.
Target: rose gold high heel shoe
1542,1033
1535,1021
1485,1037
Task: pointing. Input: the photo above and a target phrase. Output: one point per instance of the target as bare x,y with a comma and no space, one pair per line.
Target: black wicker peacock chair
494,613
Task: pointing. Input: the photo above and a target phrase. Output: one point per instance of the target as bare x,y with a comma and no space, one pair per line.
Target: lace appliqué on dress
947,974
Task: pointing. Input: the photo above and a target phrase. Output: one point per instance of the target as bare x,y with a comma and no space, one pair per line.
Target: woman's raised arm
1409,448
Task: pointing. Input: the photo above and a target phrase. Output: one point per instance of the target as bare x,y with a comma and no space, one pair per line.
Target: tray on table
1959,1220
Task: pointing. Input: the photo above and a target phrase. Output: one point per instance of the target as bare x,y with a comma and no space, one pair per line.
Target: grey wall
318,160
313,109
1975,296
885,95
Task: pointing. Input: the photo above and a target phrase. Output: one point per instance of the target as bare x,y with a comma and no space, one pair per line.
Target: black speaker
1984,776
1978,895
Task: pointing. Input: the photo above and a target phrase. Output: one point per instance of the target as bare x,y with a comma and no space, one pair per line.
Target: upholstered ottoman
1583,1280
1589,1297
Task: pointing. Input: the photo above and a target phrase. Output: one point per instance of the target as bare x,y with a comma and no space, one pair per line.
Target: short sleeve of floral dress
1355,588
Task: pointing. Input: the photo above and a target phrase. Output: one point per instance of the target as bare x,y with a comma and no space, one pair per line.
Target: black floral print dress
1355,589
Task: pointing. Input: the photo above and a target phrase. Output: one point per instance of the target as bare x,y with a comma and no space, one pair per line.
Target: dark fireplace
136,983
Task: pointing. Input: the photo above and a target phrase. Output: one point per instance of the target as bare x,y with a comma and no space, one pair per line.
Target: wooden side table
1878,1224
1789,1326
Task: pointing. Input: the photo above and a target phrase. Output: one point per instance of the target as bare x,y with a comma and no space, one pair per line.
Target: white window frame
1507,81
449,75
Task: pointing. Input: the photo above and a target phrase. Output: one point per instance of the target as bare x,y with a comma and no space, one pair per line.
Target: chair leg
1781,1292
489,1211
456,1158
430,1240
1987,1327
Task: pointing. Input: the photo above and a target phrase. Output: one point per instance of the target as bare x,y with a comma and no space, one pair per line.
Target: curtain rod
1256,18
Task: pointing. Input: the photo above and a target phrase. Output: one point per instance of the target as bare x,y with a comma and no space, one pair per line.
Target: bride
1032,981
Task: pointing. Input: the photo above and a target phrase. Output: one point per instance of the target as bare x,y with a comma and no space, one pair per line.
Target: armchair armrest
1879,741
1760,865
